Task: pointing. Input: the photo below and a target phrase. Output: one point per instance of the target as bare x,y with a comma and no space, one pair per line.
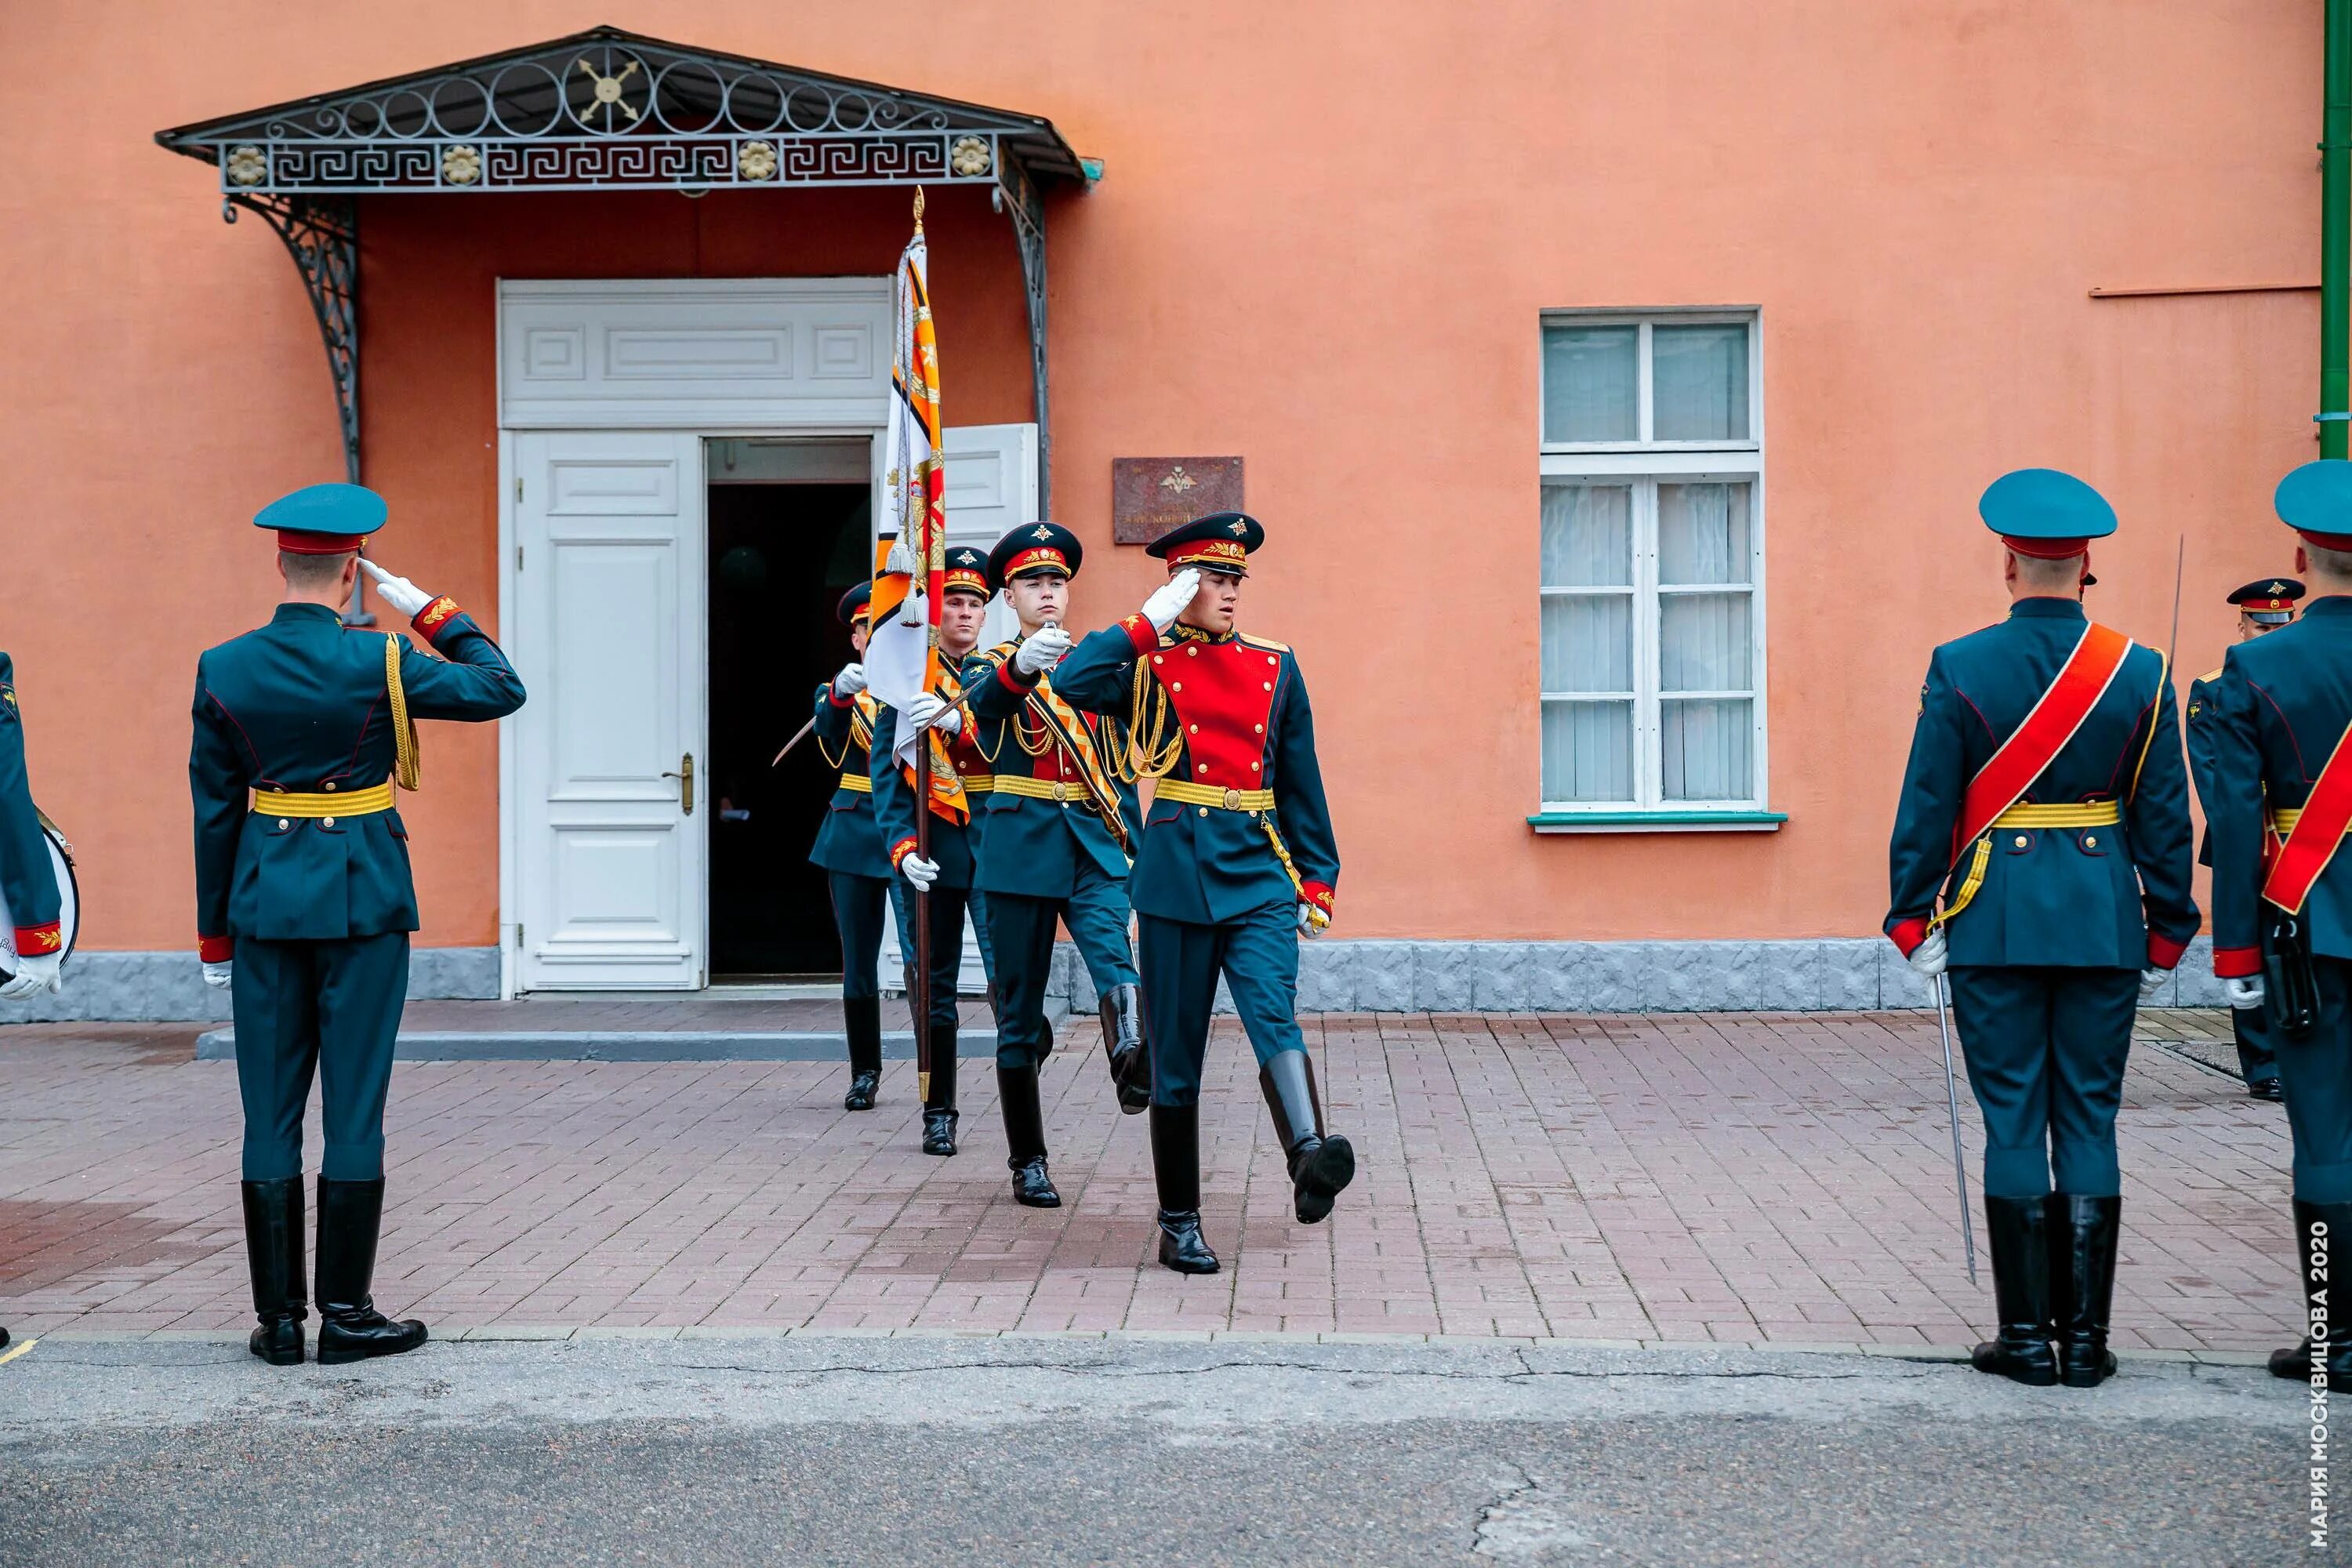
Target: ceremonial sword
1952,1098
798,736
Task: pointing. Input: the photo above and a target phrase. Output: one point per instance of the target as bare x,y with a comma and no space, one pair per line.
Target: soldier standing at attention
1237,859
304,900
34,900
2281,802
1060,821
947,876
2262,607
2046,802
849,848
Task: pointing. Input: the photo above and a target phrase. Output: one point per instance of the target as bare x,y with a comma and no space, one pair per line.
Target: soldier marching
304,898
26,876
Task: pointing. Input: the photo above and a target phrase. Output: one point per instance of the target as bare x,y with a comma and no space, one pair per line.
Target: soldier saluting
2262,607
1237,861
2280,805
2045,800
304,900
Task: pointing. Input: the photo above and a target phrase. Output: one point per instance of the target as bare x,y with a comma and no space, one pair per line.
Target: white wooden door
609,640
992,487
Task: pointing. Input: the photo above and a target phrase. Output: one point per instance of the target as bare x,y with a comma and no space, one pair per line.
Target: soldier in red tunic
1237,861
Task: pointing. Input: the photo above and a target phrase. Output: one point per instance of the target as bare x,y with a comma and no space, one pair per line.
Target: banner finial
919,209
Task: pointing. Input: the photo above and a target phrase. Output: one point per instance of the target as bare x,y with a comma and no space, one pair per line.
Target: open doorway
790,529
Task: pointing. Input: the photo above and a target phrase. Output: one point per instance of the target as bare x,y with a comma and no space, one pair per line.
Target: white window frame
1646,461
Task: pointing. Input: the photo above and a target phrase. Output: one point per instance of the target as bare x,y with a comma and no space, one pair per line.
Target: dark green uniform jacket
2280,707
1242,723
1036,846
850,839
2114,897
26,877
301,706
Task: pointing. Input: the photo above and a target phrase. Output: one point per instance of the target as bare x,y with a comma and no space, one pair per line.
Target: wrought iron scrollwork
1016,193
322,235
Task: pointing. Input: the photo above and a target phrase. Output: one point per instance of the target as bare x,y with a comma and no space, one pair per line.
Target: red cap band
2047,549
296,542
2328,540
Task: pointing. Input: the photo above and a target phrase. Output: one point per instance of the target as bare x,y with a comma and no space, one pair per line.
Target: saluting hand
398,592
1168,601
1041,650
851,681
928,707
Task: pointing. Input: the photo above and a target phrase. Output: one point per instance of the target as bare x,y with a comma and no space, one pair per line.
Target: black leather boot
273,1253
2322,1231
1176,1165
861,1020
940,1104
351,1215
1024,1138
1321,1164
2021,1291
1123,1043
2083,1236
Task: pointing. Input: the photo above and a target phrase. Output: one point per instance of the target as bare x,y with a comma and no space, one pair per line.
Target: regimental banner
902,651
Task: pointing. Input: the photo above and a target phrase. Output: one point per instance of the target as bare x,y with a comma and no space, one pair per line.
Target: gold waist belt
861,783
978,783
1209,795
2066,814
2284,817
358,802
1069,791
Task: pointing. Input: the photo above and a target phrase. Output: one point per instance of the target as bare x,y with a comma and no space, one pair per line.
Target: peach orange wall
1324,240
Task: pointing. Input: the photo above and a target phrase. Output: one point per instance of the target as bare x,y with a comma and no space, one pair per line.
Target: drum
69,901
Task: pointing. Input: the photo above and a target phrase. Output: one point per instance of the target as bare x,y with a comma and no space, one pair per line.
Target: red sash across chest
1224,697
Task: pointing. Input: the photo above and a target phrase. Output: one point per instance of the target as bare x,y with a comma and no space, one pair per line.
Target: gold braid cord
408,765
1154,743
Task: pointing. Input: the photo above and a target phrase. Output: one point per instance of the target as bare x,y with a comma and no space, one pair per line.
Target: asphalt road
863,1450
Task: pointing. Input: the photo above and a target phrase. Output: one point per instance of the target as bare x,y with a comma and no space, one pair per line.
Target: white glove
2151,980
398,592
2245,993
930,709
922,873
216,976
34,975
1927,958
1042,650
851,681
1168,601
1312,921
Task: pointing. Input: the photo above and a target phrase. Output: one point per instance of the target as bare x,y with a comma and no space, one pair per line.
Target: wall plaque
1153,496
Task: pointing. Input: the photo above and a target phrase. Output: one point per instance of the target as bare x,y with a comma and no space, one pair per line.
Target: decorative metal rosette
247,166
970,157
461,165
756,160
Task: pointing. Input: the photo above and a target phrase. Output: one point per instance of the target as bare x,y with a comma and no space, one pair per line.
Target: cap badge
1239,528
1041,532
2277,588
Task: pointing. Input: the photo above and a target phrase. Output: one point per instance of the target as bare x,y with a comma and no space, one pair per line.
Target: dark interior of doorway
780,557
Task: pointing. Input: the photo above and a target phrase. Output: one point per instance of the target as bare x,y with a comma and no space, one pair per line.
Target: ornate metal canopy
602,110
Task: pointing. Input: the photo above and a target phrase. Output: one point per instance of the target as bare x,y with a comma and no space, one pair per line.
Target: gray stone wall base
169,987
1824,975
1816,975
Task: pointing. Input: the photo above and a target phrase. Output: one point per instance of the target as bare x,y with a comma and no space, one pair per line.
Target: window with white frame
1652,581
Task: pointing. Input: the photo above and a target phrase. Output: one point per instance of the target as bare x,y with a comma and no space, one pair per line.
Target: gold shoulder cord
408,765
1152,745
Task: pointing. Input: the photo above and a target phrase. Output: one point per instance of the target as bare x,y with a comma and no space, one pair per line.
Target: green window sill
1657,821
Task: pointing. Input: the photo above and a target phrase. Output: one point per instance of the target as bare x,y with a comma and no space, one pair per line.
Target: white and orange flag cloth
902,652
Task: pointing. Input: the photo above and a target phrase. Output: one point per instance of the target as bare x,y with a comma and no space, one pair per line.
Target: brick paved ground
1748,1177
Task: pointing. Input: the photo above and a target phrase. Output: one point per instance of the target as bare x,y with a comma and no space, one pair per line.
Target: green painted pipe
2336,238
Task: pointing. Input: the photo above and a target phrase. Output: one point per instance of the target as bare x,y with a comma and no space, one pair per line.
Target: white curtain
1706,642
1588,641
1588,751
1698,383
1591,378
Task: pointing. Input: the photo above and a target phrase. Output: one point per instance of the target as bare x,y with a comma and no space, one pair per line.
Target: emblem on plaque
1151,495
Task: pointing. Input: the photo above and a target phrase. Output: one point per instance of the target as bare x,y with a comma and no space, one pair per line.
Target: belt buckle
1062,792
1232,800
